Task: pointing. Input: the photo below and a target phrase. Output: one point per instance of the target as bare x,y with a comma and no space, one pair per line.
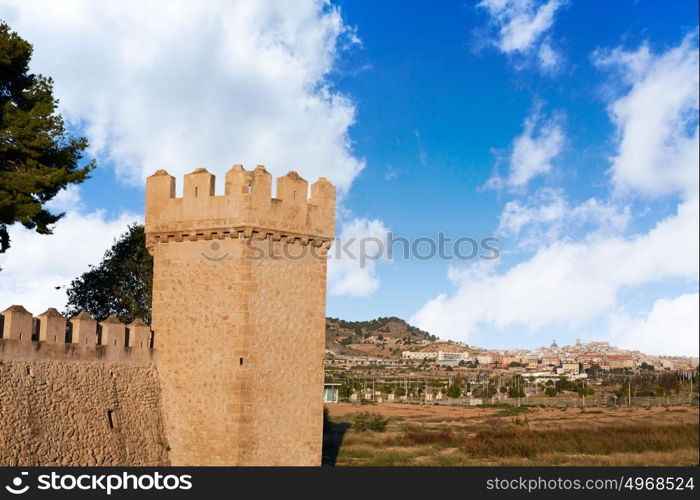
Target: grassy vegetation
501,436
510,411
601,441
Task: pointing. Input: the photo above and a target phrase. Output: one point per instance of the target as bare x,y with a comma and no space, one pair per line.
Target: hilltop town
432,401
392,342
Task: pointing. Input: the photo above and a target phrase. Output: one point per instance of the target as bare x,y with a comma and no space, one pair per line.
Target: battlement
246,208
50,336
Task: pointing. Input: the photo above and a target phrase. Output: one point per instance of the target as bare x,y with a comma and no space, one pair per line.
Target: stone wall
59,412
78,392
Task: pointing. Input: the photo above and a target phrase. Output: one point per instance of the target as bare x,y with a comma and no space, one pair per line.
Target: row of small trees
458,386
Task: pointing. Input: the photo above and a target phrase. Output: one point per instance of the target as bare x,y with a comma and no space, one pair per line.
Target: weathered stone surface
58,413
239,322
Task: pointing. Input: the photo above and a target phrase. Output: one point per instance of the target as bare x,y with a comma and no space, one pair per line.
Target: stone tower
239,287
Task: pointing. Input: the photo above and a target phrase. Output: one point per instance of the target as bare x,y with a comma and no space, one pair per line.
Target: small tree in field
585,390
454,391
516,392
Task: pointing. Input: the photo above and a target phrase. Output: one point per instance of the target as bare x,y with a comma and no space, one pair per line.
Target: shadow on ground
333,434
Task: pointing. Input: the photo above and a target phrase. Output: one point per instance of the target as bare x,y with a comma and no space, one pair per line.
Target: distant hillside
389,337
384,337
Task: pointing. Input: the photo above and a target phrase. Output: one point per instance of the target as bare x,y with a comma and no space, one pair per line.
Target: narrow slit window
240,362
195,191
68,337
36,328
110,418
250,189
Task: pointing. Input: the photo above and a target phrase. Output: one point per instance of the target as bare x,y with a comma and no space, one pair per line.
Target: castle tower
239,287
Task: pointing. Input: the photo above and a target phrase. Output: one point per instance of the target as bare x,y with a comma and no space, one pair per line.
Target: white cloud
547,216
656,119
352,266
565,283
670,328
532,152
36,264
179,85
522,25
66,200
549,58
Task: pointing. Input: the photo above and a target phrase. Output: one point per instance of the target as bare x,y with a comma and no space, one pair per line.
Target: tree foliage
585,390
37,156
454,391
551,391
120,284
516,391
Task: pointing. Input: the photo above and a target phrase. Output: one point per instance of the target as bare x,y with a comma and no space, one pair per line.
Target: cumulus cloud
675,318
549,59
656,120
37,267
547,216
532,152
521,27
179,85
352,266
565,283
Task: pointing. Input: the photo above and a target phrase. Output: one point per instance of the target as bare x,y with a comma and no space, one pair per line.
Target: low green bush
367,421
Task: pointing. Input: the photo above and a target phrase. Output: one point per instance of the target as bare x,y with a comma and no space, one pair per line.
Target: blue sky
564,128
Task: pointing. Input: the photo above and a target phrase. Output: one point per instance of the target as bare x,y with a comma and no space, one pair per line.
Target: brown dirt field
457,414
440,432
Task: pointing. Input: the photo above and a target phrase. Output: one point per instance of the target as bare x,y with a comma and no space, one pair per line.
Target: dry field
451,435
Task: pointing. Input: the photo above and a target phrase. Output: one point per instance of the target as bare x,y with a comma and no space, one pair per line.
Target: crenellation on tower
160,187
75,339
17,324
83,329
52,326
245,207
322,203
113,332
139,334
